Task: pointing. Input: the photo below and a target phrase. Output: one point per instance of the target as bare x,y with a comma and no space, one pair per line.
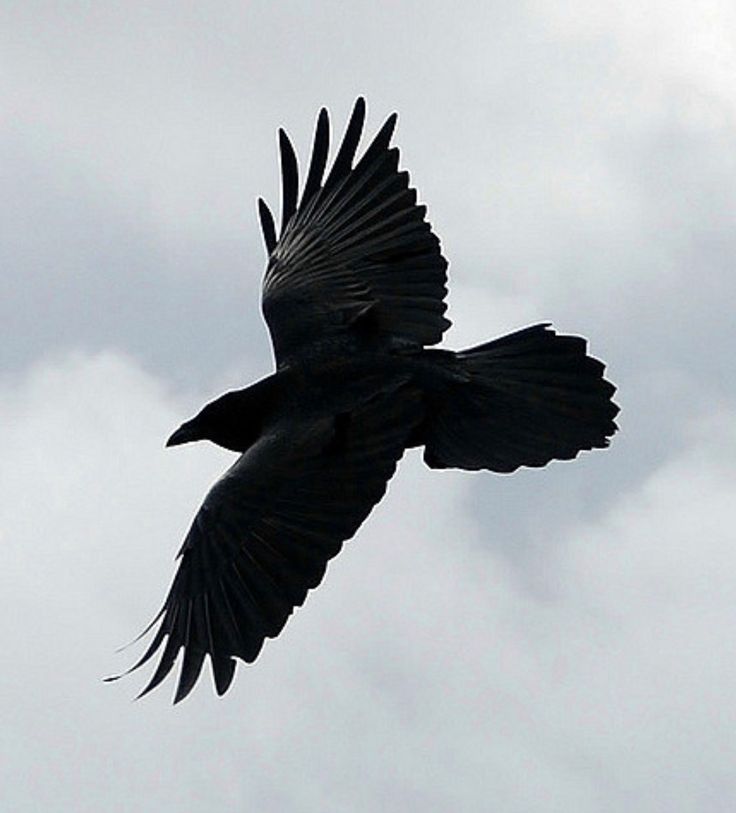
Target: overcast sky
558,640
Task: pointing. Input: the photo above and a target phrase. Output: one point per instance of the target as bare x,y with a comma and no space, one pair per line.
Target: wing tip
284,140
289,178
223,670
268,225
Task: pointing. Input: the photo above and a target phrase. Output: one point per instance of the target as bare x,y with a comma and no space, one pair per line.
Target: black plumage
353,296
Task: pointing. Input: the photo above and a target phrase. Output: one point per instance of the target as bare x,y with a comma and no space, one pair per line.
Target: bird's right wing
356,249
266,530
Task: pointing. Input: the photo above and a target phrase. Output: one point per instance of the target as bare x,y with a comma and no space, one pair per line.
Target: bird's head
233,420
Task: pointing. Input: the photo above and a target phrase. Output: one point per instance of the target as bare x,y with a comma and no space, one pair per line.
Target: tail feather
525,399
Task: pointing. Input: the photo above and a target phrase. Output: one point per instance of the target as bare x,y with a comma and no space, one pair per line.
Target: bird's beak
184,434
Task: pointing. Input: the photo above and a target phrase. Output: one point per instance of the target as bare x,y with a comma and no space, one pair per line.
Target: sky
555,640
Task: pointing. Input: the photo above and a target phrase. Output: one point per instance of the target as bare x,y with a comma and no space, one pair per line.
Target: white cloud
419,674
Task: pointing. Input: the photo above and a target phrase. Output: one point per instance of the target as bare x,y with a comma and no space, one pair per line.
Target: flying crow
353,296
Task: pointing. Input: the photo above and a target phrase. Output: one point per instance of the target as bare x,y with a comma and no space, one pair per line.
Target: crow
353,295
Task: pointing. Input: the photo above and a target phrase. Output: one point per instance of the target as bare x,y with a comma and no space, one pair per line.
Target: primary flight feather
353,295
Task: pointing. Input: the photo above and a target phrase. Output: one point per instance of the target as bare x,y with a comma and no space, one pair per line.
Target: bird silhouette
353,296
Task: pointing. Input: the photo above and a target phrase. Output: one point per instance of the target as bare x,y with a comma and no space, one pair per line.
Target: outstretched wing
355,253
266,530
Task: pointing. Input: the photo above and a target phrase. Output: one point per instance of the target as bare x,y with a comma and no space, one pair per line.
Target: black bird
353,294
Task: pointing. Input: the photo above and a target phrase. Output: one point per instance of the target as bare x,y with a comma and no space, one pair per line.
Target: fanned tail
526,399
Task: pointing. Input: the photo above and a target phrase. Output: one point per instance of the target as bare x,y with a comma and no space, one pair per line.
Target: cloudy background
560,640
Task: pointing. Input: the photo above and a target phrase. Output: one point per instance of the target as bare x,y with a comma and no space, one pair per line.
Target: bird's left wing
266,530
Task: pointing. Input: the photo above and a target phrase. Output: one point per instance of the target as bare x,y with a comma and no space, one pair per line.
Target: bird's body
307,391
354,298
